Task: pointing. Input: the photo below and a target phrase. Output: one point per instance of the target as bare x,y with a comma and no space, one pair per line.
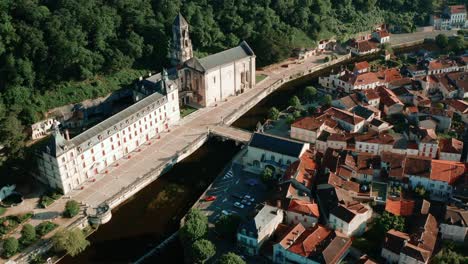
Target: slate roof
276,144
262,219
224,57
180,21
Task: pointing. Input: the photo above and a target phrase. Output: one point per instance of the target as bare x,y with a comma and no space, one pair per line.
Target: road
397,39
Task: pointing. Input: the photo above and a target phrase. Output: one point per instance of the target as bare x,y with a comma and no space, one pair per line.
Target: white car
246,202
224,212
249,198
238,205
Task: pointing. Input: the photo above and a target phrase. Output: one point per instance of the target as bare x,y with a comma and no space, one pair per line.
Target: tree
28,234
227,225
267,175
441,41
456,44
70,241
312,110
230,258
297,114
195,227
273,113
10,247
290,119
420,190
202,250
451,253
327,99
389,221
72,208
295,102
309,93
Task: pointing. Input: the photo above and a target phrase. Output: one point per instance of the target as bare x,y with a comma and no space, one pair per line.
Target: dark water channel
154,212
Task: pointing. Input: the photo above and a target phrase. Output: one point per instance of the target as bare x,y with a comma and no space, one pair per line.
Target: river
154,213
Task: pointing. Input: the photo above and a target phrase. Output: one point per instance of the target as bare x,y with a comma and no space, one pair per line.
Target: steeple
181,46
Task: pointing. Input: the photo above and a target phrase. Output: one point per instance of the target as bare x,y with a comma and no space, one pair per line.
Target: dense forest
55,52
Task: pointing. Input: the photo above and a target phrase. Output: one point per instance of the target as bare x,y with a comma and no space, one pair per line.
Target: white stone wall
357,226
450,156
404,259
303,134
438,189
336,144
428,149
292,218
253,159
453,232
69,170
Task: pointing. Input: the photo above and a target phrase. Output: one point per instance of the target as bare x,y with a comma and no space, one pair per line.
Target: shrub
10,247
72,208
28,235
45,227
230,258
273,113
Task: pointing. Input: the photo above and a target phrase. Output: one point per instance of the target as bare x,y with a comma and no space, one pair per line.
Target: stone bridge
232,133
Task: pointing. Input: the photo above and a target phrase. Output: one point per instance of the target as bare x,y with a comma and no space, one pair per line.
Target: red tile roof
364,79
387,96
456,9
345,116
309,240
451,145
400,206
389,75
304,207
459,105
303,170
359,66
314,123
447,171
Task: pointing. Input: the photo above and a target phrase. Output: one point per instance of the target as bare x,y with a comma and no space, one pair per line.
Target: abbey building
66,163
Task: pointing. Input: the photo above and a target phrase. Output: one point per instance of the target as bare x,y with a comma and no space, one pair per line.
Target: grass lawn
259,77
186,110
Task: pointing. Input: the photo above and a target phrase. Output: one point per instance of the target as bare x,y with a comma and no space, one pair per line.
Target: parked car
249,198
210,198
225,212
238,205
236,195
246,202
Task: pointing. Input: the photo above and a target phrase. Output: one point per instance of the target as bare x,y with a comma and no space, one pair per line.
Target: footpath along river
154,213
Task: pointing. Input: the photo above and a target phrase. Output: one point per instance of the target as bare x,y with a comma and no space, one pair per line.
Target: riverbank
230,106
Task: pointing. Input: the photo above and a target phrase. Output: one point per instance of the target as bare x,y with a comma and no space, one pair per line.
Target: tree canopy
230,258
195,227
70,241
202,250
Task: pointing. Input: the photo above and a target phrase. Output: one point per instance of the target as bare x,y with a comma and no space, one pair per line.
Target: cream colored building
66,163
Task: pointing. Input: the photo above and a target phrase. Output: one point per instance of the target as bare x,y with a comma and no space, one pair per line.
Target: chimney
278,203
67,135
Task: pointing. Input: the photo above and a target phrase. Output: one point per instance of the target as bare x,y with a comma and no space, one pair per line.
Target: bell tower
181,46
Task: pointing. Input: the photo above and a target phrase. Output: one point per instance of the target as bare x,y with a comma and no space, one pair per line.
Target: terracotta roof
370,94
336,249
361,65
364,79
428,135
345,116
440,64
314,123
395,163
399,82
456,216
387,97
348,211
456,9
447,171
399,206
367,163
302,170
350,101
365,45
459,105
309,240
412,109
395,240
443,80
338,182
418,166
459,79
451,145
291,235
389,75
304,207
